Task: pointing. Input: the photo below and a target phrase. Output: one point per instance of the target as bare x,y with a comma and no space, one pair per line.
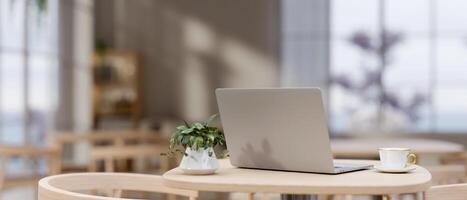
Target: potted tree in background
385,110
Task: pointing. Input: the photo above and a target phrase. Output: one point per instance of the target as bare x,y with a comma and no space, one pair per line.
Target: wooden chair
111,154
263,196
67,186
456,158
111,138
447,192
447,174
50,154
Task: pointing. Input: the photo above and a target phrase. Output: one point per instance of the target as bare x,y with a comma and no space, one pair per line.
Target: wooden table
368,147
232,179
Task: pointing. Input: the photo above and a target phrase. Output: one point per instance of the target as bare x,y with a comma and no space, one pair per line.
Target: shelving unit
116,87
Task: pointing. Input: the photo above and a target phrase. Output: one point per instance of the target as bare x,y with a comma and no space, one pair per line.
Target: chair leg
117,193
3,163
53,165
164,164
109,165
338,197
92,166
251,196
418,196
172,197
121,165
388,197
326,197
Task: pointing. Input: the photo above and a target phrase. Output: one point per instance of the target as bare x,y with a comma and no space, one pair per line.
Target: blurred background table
427,150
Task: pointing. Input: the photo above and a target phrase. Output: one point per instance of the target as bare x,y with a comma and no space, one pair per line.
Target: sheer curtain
305,44
28,70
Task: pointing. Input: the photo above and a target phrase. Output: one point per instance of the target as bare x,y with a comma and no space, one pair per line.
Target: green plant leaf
179,139
211,137
185,140
198,126
186,124
186,131
210,119
197,136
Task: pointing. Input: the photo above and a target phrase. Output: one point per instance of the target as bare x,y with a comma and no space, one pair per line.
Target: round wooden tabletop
368,147
233,179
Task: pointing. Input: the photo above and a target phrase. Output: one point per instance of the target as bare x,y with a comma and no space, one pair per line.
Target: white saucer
387,170
198,171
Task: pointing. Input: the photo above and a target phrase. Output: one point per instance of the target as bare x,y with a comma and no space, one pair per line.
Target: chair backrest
126,152
109,154
447,192
64,186
113,137
110,137
447,174
457,158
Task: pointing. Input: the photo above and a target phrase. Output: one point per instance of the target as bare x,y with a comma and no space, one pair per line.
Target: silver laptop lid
282,129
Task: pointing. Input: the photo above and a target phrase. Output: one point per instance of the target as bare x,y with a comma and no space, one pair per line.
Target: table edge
366,190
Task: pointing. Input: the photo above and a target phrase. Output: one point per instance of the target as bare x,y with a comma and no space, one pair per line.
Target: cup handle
412,158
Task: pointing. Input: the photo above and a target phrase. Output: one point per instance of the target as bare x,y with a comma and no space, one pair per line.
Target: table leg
298,197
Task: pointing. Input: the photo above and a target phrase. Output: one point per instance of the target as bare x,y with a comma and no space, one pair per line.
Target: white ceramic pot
199,162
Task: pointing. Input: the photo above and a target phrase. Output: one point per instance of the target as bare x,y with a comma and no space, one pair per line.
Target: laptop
278,129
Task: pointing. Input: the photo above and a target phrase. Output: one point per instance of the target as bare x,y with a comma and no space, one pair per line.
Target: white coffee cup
396,158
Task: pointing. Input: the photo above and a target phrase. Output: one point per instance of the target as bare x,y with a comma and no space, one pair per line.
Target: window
424,55
386,65
28,69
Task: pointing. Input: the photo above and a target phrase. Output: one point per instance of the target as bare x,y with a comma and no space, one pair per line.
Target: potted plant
198,140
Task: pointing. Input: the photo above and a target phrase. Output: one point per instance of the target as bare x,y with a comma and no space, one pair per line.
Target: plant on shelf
198,139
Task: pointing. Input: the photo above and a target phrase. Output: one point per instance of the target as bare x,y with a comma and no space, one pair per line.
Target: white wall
189,48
